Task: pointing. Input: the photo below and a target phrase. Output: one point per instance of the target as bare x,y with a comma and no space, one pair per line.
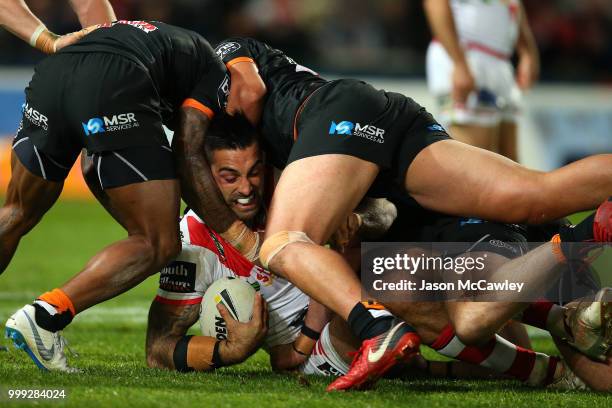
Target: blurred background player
17,18
470,73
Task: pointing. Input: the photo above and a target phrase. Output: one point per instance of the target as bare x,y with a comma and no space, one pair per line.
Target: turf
110,340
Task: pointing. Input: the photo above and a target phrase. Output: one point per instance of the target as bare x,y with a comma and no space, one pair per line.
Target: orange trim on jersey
192,103
177,302
237,60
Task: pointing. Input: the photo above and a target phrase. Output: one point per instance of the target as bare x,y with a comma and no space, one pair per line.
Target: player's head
232,149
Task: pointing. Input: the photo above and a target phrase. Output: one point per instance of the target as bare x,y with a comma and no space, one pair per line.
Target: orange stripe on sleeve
192,103
237,60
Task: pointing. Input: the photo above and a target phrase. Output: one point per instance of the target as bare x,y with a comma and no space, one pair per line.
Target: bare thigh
508,140
316,193
478,136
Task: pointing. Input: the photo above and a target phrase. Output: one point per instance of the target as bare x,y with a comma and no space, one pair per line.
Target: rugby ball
237,295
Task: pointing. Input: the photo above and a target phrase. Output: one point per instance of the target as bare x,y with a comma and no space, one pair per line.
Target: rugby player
333,139
236,165
110,93
436,329
292,327
17,18
470,73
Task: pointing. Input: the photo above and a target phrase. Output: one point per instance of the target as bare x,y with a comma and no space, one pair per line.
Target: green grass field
110,341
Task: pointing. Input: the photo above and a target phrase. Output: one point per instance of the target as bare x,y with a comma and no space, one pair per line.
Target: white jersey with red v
207,257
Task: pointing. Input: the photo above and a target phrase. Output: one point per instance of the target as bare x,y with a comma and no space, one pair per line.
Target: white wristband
37,34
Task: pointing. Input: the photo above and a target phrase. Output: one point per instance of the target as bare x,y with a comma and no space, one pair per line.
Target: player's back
176,59
288,84
492,23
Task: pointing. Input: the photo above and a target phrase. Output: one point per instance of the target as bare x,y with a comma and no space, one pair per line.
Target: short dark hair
229,132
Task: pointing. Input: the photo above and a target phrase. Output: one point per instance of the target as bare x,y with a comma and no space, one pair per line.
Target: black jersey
288,85
181,64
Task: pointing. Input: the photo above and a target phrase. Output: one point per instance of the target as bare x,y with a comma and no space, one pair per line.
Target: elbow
156,358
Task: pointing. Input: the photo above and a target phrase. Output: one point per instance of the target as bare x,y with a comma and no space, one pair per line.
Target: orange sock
556,248
59,300
372,304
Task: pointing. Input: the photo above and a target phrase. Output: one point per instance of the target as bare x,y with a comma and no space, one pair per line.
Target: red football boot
377,355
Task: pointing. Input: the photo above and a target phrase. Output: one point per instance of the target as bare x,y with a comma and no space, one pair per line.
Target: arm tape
310,333
180,355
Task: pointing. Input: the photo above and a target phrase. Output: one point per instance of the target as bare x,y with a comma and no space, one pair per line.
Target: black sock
364,325
51,322
578,233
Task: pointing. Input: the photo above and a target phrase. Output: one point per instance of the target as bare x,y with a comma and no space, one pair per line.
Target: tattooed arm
167,325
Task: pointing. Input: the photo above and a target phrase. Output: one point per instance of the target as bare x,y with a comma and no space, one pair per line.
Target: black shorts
114,168
351,117
416,224
98,101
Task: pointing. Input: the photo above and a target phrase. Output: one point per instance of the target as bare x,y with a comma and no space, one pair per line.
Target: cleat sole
19,341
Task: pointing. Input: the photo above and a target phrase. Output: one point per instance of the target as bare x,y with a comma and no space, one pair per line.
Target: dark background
380,37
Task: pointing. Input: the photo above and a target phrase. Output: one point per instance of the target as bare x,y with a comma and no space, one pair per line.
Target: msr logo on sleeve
223,50
35,116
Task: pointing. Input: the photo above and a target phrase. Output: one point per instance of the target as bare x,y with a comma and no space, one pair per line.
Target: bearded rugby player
293,342
110,93
294,322
333,139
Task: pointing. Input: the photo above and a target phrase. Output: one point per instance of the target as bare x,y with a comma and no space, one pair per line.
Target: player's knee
471,332
155,357
166,250
271,253
521,200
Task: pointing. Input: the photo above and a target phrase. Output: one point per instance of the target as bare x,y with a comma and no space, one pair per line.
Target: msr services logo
35,116
369,132
122,121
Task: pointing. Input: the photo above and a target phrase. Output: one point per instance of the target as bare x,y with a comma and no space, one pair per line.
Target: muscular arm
442,25
285,357
167,324
92,12
528,69
198,186
17,18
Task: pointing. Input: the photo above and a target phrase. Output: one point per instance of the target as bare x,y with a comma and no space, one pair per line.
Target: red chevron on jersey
202,235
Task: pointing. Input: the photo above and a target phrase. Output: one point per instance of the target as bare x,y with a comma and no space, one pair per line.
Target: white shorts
497,98
324,360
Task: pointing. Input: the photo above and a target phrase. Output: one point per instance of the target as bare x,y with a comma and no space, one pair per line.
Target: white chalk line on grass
99,313
134,314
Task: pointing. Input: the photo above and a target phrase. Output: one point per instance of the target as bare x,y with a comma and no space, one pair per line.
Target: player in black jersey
333,139
110,93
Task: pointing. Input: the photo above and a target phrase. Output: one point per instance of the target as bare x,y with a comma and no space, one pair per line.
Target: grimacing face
239,175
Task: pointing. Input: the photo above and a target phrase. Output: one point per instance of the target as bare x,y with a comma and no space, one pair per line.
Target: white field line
132,314
99,313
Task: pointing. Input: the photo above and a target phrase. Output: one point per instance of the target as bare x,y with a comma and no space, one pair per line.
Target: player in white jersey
293,323
469,71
